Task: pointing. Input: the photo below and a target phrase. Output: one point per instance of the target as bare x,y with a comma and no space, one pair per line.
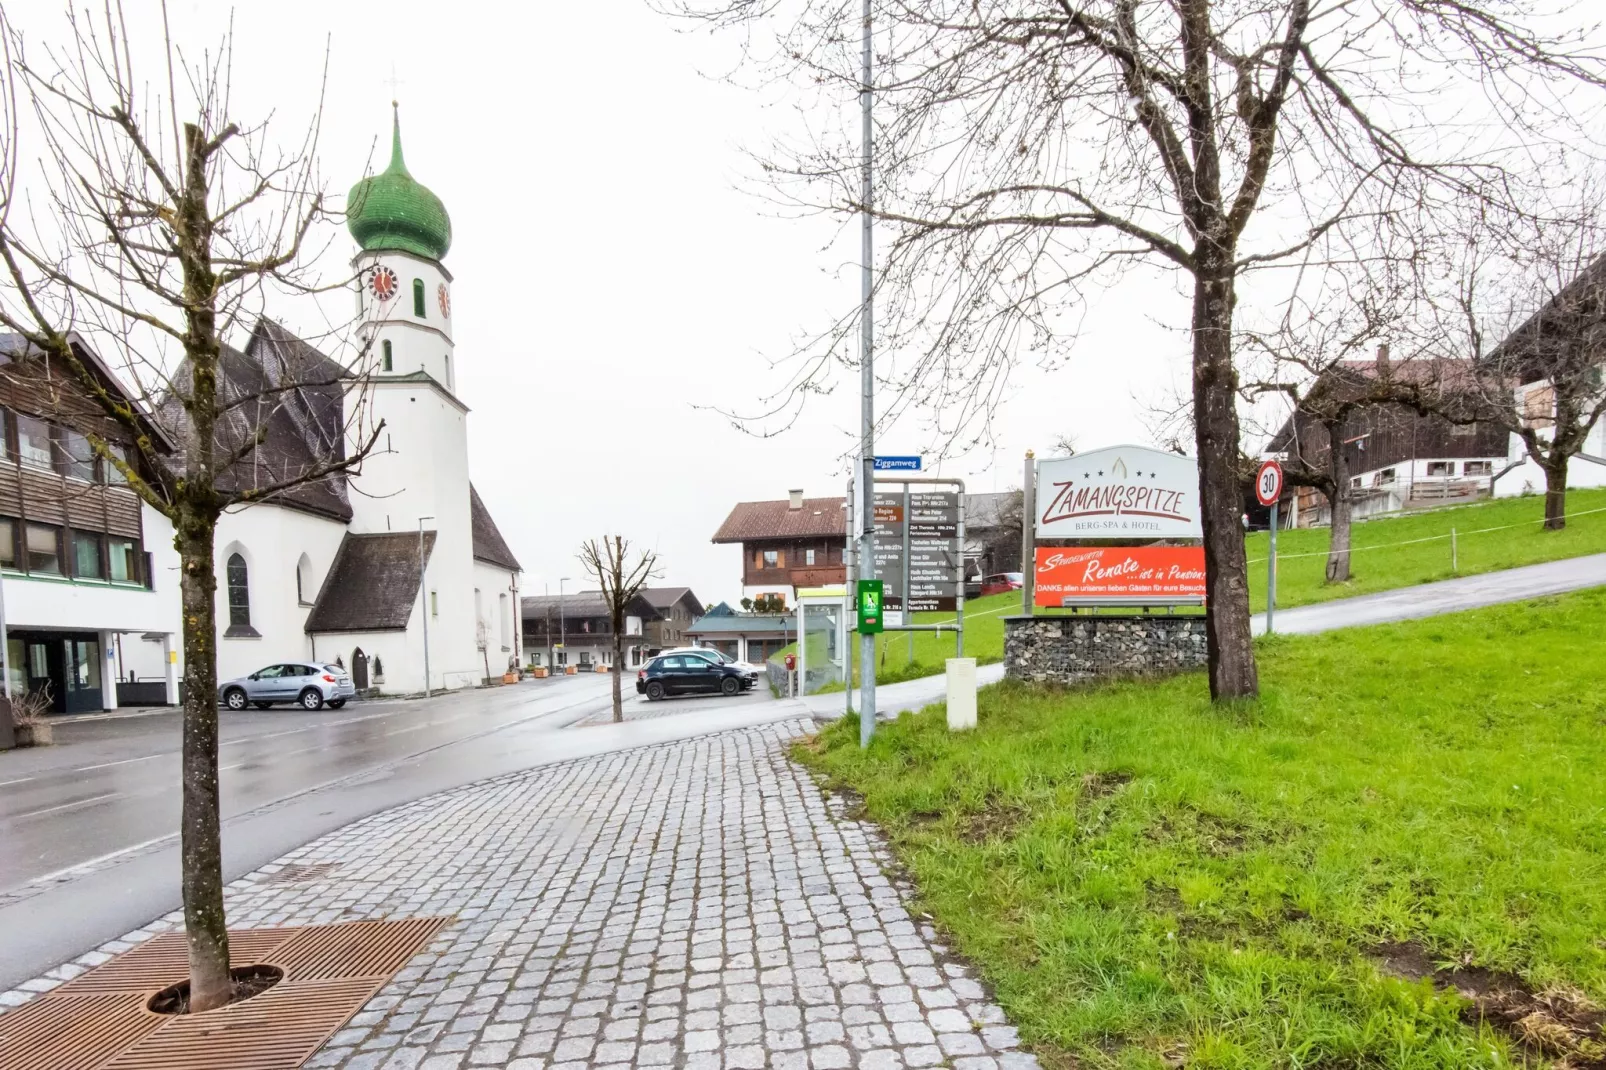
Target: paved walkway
696,904
1446,596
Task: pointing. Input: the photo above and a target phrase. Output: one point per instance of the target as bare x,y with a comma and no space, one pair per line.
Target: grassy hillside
1149,881
1400,551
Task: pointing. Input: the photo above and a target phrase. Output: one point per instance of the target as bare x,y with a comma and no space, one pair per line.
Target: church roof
292,392
393,210
372,585
489,546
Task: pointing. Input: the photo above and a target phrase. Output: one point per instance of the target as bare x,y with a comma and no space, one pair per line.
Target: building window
563,657
86,556
434,605
76,457
1355,482
123,557
8,543
6,420
385,362
808,557
771,559
33,441
418,298
113,473
1441,468
1477,468
239,593
1383,478
44,550
503,620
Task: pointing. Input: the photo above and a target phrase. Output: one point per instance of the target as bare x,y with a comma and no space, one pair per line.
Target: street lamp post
423,599
563,630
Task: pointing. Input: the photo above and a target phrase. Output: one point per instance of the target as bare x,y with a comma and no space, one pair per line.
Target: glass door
81,659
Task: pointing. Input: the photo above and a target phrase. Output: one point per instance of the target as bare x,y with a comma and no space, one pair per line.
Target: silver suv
308,684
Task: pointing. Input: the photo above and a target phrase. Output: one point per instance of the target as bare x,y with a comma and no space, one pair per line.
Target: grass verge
1149,881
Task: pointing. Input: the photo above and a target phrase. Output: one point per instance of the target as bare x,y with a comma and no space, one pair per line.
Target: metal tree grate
99,1021
300,872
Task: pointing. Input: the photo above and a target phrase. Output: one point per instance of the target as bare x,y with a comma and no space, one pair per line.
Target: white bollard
961,694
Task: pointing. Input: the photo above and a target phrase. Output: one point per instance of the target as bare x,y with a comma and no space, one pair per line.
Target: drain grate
99,1020
300,872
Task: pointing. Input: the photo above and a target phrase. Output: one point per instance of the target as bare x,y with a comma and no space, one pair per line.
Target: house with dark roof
575,631
1396,456
677,608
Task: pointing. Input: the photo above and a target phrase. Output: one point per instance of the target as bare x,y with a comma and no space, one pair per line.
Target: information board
936,560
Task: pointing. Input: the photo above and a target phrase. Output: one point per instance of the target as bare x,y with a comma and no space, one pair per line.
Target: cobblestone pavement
697,905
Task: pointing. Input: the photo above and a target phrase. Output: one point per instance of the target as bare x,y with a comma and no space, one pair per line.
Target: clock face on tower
445,300
382,283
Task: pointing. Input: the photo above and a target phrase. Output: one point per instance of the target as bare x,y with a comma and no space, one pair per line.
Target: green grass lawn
1149,881
1302,553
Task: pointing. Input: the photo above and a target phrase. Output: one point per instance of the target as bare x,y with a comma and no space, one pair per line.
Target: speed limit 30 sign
1269,483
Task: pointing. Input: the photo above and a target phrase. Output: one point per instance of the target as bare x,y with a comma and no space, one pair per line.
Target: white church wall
272,539
497,612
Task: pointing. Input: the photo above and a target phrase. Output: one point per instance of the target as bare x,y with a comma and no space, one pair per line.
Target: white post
170,656
961,694
109,671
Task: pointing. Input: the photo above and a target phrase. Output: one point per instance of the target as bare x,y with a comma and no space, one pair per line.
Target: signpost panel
897,464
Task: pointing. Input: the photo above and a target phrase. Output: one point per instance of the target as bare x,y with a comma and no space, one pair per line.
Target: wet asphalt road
88,828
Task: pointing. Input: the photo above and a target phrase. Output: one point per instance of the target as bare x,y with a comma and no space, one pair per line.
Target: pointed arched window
418,298
385,363
239,593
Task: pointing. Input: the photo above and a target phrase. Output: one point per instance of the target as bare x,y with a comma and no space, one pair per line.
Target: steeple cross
395,84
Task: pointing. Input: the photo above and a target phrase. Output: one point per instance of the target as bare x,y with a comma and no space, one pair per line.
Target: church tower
417,476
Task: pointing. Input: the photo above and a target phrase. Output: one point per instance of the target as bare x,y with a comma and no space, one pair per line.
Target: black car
685,674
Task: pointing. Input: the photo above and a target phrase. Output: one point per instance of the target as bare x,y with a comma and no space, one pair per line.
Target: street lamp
423,599
563,631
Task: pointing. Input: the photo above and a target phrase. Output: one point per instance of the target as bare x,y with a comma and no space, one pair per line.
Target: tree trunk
1556,491
200,834
618,670
1230,649
1339,502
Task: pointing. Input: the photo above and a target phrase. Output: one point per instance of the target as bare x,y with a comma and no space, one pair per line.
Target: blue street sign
897,464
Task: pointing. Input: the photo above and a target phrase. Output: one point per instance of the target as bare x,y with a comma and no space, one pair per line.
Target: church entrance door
359,669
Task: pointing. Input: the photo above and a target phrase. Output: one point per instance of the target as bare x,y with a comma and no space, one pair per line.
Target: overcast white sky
614,272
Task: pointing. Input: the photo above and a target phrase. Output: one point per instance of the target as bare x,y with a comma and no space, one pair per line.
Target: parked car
716,656
685,674
1002,583
308,684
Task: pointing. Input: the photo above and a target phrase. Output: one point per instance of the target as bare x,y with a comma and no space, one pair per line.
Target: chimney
1383,360
797,498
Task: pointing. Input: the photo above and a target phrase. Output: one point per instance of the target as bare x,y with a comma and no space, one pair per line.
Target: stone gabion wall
1073,650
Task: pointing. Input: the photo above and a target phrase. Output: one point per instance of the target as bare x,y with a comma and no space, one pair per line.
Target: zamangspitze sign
1122,492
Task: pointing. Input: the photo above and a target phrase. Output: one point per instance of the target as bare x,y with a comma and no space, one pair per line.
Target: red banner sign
1067,575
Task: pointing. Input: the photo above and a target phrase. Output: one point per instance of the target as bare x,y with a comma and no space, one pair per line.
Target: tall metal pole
1028,534
867,709
1271,572
908,612
850,573
423,594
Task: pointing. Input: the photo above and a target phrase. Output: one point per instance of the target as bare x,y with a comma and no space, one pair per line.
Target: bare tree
1539,286
621,578
150,221
1028,149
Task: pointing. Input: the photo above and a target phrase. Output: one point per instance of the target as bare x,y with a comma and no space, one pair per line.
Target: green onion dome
392,210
